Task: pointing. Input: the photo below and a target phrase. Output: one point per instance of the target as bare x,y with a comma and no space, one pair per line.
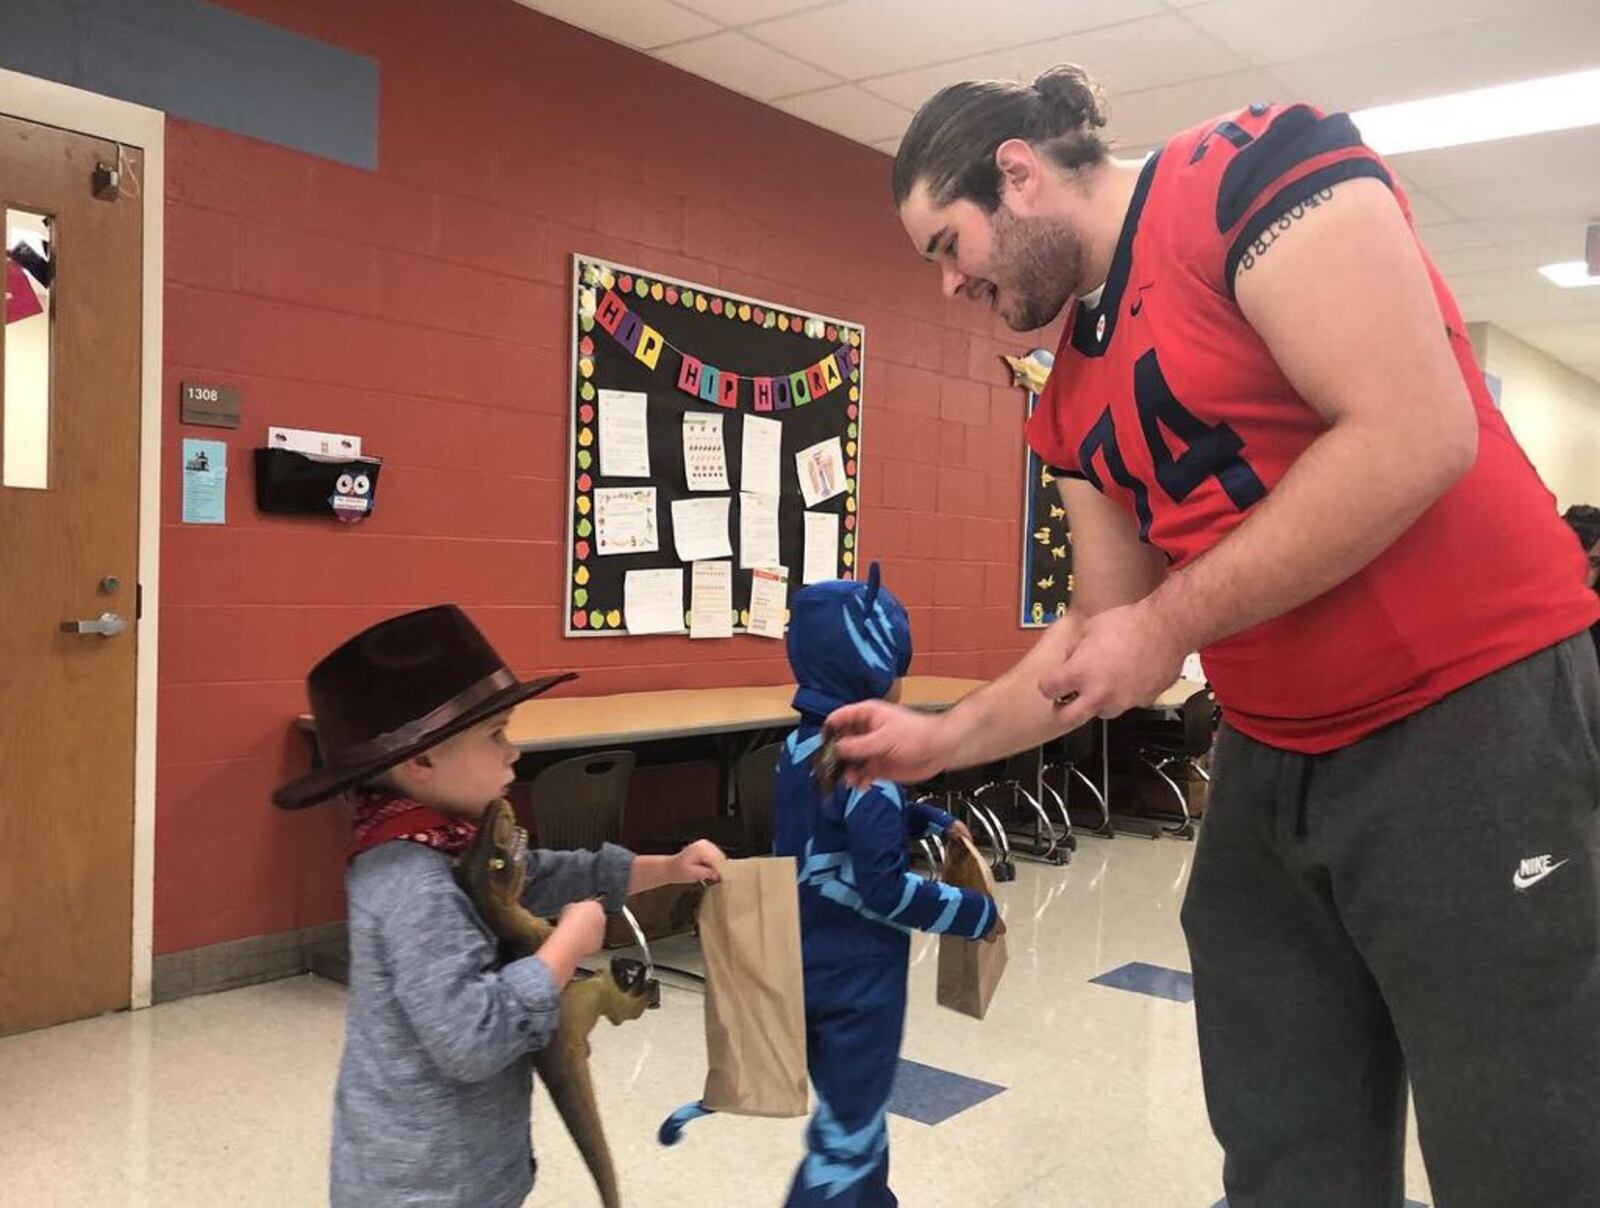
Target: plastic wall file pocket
295,484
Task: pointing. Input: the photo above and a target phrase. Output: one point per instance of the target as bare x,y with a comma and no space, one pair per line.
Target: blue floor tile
1149,979
931,1096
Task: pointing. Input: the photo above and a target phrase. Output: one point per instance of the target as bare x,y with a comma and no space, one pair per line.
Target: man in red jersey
1275,447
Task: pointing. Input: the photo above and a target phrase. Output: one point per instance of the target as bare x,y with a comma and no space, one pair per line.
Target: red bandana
380,818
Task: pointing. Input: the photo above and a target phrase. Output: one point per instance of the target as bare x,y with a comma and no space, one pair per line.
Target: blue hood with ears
848,642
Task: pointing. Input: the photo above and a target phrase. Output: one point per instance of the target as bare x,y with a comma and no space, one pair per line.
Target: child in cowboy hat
433,1099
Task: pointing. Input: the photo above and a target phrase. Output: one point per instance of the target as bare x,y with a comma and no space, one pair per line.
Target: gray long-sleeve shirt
432,1105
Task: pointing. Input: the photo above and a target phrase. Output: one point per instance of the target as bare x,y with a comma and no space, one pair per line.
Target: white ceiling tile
1523,294
1451,236
850,111
734,13
1543,158
642,24
1549,233
1513,44
1572,198
1146,53
1270,31
1156,114
1524,256
862,38
888,145
746,66
1426,210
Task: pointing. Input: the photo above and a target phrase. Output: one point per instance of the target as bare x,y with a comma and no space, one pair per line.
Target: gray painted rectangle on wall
205,63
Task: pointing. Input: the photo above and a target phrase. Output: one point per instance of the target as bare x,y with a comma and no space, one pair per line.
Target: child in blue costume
850,642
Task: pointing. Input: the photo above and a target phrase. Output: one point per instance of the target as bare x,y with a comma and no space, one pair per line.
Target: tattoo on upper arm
1287,219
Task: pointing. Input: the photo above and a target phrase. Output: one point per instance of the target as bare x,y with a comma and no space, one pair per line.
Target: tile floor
224,1100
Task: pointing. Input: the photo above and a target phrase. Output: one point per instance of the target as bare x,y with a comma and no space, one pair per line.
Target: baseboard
260,958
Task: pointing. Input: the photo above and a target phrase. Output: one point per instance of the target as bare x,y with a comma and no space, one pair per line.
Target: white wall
1553,411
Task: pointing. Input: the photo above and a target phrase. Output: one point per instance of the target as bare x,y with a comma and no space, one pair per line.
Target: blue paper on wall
205,481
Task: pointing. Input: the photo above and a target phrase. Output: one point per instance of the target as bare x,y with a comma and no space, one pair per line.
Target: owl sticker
352,496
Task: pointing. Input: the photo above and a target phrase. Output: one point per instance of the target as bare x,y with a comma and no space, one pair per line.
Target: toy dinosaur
491,871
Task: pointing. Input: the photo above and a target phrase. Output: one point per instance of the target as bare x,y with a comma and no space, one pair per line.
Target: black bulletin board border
746,336
1047,579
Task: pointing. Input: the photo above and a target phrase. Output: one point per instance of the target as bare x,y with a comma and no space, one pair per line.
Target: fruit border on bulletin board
698,351
1046,540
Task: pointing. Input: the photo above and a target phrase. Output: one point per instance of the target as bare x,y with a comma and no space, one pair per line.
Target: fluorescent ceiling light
1562,102
1569,274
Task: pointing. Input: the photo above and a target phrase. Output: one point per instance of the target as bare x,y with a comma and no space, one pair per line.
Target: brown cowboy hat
398,688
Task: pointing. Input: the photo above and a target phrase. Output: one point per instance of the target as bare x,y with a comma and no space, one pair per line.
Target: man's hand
1125,658
880,741
958,830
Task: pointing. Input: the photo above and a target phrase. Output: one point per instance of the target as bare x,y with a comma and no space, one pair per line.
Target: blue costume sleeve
875,823
923,820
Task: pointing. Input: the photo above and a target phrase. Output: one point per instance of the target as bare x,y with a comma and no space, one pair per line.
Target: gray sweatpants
1425,902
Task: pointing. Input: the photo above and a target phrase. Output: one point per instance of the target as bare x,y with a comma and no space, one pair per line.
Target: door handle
107,625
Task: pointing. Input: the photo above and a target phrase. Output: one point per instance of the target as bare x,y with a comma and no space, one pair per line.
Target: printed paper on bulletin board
1046,540
657,363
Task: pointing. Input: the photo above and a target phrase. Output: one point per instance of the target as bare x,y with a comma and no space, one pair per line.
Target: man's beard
1039,263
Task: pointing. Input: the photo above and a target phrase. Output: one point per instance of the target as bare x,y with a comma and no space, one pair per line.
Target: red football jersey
1167,401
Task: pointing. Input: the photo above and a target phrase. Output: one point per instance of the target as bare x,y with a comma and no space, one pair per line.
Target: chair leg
1005,869
986,824
927,854
1056,852
1184,829
1068,839
1044,831
1105,830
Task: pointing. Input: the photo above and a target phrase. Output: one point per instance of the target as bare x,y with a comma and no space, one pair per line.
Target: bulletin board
670,349
1047,579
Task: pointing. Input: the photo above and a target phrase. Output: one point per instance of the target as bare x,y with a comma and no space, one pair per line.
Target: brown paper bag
969,970
755,990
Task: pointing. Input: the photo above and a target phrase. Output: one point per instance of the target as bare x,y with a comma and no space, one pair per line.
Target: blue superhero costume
859,901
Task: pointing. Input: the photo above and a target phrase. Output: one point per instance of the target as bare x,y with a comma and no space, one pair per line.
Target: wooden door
69,516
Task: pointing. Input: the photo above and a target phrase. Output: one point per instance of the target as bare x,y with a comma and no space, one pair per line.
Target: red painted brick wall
425,308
